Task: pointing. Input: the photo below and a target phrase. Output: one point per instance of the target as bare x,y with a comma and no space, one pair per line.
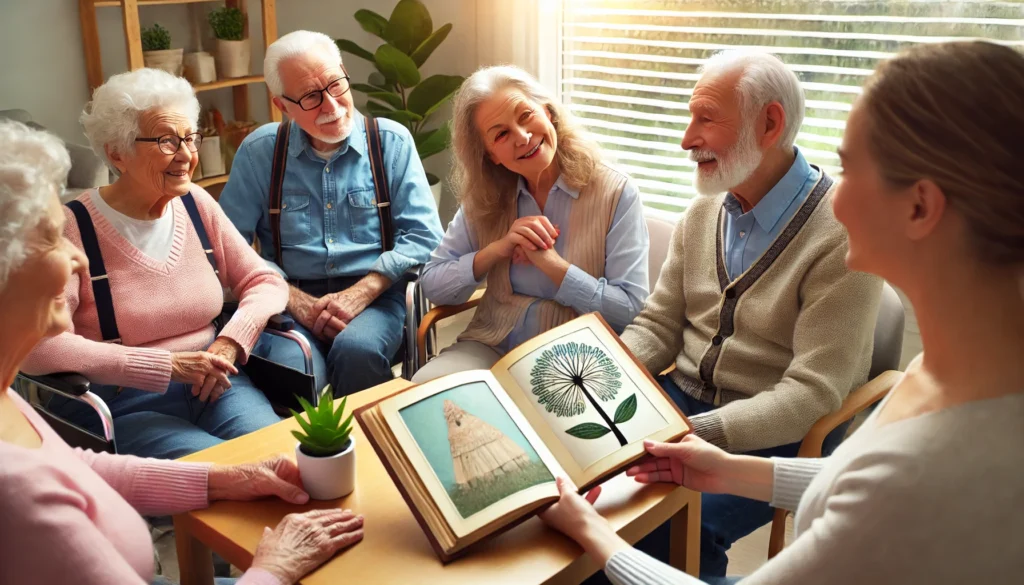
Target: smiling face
719,139
517,132
33,297
161,174
312,71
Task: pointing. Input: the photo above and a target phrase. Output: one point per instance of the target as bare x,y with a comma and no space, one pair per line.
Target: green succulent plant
227,23
156,38
397,90
325,433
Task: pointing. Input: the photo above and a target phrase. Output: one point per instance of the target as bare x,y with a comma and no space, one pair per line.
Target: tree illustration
569,375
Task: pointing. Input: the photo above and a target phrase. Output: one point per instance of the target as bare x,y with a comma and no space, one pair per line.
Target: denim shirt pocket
296,228
365,223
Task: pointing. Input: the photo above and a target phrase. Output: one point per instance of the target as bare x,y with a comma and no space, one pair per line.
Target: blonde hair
486,190
950,113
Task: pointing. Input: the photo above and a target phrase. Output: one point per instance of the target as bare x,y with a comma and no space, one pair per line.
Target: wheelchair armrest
413,273
281,322
68,383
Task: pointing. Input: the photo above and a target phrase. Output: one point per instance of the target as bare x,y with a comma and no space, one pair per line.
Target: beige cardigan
780,346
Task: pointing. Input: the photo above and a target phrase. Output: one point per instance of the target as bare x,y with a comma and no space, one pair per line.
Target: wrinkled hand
335,311
303,542
534,232
278,476
195,367
692,462
572,514
227,349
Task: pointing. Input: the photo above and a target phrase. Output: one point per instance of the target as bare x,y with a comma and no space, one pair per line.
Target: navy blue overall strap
97,273
197,223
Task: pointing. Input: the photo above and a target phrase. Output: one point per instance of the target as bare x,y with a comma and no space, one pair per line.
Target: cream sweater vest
777,348
590,219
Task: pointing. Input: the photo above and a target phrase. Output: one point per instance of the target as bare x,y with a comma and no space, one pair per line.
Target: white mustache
331,117
698,155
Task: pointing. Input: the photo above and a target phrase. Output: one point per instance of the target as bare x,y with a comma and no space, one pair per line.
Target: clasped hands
208,370
328,316
531,240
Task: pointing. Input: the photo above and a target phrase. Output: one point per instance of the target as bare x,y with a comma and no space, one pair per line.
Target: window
628,67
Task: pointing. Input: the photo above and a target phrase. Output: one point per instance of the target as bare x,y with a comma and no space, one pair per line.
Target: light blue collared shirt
748,235
618,295
329,221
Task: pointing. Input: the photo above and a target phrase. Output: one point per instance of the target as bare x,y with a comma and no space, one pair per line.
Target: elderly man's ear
770,125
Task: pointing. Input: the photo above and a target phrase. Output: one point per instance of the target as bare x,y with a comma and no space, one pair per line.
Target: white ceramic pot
211,157
233,58
328,478
169,60
200,68
436,190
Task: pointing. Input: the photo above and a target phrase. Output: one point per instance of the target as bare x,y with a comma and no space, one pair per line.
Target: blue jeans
724,518
175,423
360,356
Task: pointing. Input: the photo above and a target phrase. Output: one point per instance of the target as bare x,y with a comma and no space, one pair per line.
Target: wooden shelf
214,180
233,82
148,2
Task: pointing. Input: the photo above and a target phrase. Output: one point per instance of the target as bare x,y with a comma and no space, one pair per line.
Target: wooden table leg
195,561
684,537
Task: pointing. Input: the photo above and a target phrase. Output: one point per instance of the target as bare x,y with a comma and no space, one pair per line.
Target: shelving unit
133,45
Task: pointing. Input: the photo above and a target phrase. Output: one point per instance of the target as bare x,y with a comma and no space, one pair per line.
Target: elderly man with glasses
342,209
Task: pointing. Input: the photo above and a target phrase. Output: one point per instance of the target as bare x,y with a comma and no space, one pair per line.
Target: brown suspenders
380,186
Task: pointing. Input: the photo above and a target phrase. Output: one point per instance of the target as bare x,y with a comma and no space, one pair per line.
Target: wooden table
394,549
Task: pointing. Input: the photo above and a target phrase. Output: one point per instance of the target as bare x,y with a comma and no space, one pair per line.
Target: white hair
112,117
764,79
291,45
33,168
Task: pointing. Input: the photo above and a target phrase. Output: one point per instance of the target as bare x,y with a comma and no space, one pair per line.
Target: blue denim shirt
329,222
618,295
748,235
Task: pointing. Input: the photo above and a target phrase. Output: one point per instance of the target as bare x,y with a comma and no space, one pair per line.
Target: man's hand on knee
300,307
335,311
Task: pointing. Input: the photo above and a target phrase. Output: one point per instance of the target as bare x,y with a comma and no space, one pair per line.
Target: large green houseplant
397,90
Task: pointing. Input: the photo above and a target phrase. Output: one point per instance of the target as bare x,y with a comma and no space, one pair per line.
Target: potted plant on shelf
397,90
325,452
157,52
233,52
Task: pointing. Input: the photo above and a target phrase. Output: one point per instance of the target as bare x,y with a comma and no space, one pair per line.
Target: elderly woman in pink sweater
162,253
68,514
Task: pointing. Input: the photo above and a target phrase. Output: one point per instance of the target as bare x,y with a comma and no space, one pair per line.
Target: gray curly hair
33,168
112,117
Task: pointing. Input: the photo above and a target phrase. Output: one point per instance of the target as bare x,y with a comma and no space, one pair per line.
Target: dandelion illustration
566,378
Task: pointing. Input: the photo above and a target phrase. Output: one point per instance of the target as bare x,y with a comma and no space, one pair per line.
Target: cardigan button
730,294
717,340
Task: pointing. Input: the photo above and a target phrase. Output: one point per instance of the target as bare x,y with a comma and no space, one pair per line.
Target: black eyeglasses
313,99
169,143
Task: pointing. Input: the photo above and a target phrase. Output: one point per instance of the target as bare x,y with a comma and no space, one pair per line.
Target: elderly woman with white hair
74,513
556,232
162,253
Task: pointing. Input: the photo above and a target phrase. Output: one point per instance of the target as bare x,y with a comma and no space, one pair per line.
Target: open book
476,452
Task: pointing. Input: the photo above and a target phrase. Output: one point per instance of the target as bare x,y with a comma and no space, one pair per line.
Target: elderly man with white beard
766,328
341,207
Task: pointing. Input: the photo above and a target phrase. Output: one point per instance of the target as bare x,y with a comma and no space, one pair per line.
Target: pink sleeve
102,363
152,486
261,291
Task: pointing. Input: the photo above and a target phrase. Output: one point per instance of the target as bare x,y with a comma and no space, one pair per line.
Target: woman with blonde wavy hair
556,232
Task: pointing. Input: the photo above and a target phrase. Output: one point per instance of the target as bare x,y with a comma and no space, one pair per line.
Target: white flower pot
233,58
211,157
328,478
169,60
200,68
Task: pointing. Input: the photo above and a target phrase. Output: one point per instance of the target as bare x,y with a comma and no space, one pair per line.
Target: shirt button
330,241
327,169
742,234
284,205
328,206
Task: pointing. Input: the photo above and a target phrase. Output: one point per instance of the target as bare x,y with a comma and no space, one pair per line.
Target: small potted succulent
157,52
326,452
233,52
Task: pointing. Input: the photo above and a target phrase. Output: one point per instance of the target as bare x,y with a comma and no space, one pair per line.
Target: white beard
335,137
733,168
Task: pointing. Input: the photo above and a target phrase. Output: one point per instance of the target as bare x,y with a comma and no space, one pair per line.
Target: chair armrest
413,273
281,322
67,383
858,400
440,313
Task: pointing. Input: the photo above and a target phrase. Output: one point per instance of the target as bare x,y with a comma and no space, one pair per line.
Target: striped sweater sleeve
790,478
632,567
152,486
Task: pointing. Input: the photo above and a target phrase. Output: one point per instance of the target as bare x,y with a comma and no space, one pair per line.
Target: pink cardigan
68,515
161,307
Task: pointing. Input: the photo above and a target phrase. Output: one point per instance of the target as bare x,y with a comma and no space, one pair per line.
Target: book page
472,448
587,398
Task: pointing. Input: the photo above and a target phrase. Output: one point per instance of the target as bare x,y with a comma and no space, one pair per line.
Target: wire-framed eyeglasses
313,99
170,143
